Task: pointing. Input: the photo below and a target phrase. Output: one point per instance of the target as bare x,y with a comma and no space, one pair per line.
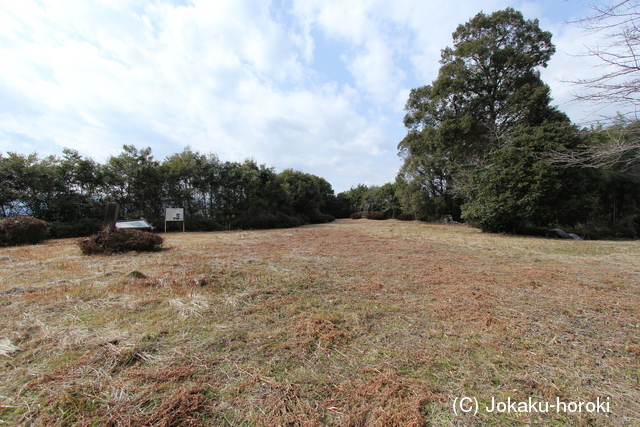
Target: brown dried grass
351,323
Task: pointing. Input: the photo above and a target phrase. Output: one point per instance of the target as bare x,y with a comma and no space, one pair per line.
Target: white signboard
174,214
140,223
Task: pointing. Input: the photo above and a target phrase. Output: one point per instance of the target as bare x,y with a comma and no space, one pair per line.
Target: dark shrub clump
406,217
20,230
356,215
80,228
320,218
268,220
531,230
376,215
119,241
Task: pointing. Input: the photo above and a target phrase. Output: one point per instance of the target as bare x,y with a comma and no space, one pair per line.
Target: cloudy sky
314,85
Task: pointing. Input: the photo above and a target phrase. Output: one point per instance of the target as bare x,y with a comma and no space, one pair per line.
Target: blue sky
314,85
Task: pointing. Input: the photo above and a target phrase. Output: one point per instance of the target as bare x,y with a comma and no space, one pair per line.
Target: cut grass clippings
352,323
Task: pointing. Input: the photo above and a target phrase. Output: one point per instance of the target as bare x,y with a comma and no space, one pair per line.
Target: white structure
173,214
138,224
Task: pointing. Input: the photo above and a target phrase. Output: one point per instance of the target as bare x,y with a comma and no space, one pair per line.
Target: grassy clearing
350,323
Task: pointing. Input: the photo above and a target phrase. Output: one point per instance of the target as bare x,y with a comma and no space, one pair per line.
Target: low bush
80,228
119,241
532,230
406,217
21,230
196,224
320,218
628,227
269,220
376,215
356,215
389,214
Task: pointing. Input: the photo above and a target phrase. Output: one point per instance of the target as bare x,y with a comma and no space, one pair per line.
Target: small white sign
174,214
139,223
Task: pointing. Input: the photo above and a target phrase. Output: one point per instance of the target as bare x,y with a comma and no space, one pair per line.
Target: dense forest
484,145
71,191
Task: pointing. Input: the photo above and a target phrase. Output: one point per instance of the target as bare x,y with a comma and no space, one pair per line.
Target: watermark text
470,405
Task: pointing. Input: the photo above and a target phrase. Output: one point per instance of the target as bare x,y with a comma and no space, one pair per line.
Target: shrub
356,215
198,224
376,215
627,227
532,230
267,220
389,214
406,217
20,230
119,241
82,227
320,218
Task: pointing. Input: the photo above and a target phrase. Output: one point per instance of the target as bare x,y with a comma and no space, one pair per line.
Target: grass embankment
351,323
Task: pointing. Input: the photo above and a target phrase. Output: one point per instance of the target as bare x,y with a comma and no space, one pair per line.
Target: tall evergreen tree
472,120
134,180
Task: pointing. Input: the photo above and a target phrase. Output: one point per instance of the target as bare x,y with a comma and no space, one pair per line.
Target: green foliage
20,230
198,223
425,195
487,86
338,206
355,197
192,181
406,217
133,179
250,195
384,199
53,189
120,241
318,218
617,204
79,228
609,157
376,215
307,193
71,192
478,135
373,198
616,178
520,189
270,220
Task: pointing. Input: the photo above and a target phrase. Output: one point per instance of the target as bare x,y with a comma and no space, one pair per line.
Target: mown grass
351,323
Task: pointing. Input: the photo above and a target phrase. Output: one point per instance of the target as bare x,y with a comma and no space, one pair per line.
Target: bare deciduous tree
621,151
619,84
619,24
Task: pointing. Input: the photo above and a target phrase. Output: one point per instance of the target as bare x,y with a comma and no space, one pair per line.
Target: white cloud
232,77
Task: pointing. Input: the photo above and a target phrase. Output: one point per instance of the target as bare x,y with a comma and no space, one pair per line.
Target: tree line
71,191
484,143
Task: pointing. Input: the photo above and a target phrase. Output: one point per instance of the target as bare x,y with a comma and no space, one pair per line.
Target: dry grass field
352,323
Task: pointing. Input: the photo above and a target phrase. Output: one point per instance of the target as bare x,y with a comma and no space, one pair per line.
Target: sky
318,86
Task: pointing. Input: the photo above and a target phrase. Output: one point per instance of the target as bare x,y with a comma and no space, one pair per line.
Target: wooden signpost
173,214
